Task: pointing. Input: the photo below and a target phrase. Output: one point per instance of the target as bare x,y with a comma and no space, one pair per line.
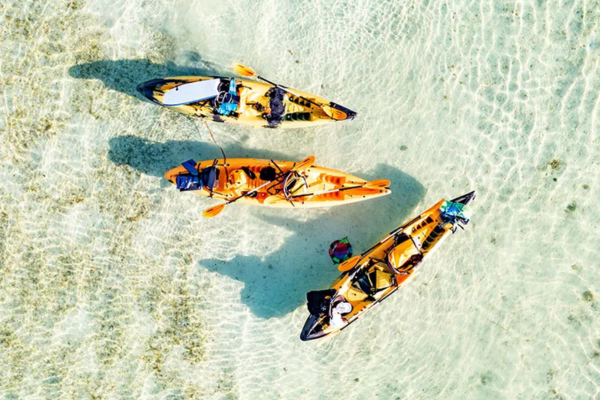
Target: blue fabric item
190,165
227,108
232,88
188,182
452,211
231,101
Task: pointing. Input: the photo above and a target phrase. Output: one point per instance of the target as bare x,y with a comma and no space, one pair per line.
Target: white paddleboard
192,92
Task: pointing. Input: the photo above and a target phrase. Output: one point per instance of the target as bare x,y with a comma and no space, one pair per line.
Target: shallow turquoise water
112,285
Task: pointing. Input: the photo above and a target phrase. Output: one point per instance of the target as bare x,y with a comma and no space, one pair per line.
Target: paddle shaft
250,192
285,90
326,191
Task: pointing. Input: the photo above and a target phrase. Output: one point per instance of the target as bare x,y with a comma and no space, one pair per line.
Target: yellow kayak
243,102
274,183
371,277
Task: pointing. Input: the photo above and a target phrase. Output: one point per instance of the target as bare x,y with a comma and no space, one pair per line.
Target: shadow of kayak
156,158
276,284
125,75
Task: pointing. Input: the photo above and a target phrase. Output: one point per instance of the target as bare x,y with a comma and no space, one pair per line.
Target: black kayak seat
268,174
276,96
318,301
209,177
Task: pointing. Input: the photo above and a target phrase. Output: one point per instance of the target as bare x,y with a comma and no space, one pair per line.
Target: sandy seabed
112,285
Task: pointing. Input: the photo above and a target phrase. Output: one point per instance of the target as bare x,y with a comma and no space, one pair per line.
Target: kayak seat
238,179
267,173
276,98
355,295
243,93
402,252
364,284
383,280
376,279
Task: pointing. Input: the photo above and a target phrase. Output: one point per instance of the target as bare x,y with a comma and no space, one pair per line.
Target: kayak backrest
268,174
210,177
400,254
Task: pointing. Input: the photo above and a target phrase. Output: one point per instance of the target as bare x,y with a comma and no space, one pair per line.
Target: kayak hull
411,243
254,104
317,187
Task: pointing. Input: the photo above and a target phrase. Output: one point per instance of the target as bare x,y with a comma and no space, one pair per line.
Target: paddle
379,183
349,263
352,191
363,190
307,162
333,113
216,210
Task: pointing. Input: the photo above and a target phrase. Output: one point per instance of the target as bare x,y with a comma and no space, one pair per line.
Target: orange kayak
271,183
257,104
371,277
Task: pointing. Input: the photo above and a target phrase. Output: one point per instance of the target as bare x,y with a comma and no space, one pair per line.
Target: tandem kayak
274,183
243,102
371,277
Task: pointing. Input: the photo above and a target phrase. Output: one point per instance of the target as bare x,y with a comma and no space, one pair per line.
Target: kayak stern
313,329
148,89
350,114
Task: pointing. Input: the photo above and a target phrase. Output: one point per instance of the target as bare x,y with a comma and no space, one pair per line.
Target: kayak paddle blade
271,200
379,183
307,162
243,70
349,264
334,113
213,211
363,191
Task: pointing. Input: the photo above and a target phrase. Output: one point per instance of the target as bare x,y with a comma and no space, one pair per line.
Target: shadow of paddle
276,284
125,75
156,158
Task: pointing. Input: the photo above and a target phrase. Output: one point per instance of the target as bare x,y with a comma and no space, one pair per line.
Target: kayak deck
256,106
380,271
311,187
